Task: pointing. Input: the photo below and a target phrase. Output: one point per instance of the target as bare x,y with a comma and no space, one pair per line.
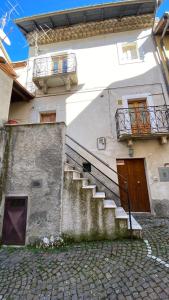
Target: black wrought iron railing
103,181
142,121
54,65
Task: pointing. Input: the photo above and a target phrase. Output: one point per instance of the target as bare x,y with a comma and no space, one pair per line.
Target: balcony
55,71
143,123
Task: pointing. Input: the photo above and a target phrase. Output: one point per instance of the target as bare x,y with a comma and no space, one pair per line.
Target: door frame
147,180
15,196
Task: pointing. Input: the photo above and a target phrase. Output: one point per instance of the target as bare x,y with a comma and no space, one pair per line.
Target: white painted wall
98,63
6,84
22,75
3,52
89,109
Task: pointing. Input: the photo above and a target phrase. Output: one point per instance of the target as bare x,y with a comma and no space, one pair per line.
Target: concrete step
120,213
109,204
121,221
135,224
68,167
76,174
85,181
136,228
98,195
91,187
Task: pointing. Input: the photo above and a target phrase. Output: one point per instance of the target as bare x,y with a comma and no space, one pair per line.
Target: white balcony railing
56,70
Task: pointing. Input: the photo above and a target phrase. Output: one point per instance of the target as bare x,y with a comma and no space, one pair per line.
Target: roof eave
27,96
79,9
161,22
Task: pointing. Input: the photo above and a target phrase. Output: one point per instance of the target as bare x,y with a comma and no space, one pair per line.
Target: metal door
14,223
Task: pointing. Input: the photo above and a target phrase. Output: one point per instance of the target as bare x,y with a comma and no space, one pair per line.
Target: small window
128,53
48,117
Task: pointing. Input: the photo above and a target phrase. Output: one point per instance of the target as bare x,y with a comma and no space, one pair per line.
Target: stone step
98,195
68,167
85,181
120,213
109,204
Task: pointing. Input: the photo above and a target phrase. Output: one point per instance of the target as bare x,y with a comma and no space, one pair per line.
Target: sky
19,49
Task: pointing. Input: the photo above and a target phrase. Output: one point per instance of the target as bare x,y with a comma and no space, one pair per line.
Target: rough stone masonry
32,165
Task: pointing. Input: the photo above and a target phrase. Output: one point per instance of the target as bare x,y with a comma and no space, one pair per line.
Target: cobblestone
116,270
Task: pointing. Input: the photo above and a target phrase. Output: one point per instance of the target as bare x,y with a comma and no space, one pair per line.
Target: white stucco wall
103,86
6,84
22,75
2,53
98,62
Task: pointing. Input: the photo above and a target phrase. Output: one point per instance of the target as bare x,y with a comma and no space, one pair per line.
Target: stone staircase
88,214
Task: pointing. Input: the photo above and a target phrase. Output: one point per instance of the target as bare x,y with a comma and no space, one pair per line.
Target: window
48,117
128,52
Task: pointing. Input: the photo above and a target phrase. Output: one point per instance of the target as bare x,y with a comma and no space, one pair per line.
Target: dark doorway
134,172
14,223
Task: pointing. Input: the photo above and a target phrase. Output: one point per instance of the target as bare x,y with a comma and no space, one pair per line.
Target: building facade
103,79
96,69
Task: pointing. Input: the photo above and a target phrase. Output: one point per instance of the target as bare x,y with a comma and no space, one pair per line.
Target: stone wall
33,167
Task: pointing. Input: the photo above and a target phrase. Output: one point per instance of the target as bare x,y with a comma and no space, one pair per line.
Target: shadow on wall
93,114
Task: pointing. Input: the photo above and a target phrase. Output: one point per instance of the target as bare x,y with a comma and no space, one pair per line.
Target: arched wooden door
14,223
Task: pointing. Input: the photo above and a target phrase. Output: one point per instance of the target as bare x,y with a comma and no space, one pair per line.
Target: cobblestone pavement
100,270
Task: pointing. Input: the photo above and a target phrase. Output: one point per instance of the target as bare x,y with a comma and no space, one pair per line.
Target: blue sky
18,49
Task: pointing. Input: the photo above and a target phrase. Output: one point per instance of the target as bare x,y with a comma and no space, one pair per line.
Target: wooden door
132,171
48,117
14,223
139,116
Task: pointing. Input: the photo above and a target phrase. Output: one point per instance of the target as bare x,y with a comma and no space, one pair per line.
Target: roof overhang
19,93
19,64
87,14
161,24
7,68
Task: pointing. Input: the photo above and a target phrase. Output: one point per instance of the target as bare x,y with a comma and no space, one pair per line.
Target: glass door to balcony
59,64
139,116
